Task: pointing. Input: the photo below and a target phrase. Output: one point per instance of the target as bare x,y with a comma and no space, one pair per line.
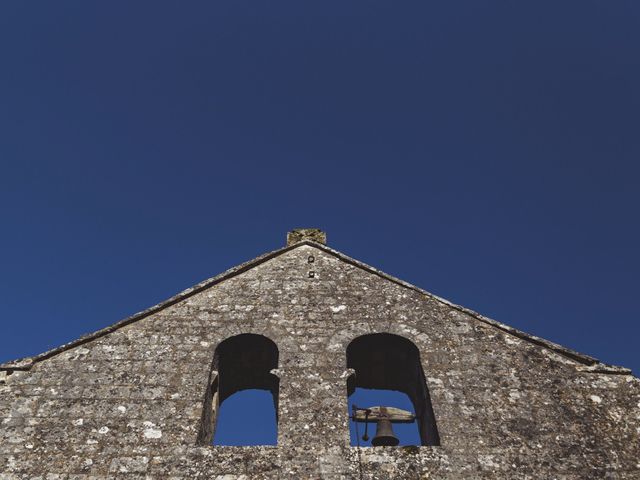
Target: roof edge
27,362
590,364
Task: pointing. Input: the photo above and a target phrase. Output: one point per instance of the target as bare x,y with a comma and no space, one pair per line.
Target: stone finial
303,234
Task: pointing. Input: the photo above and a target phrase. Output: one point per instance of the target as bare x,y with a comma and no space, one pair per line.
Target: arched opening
388,369
241,404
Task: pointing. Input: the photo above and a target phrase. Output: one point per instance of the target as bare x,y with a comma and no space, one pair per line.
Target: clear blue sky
485,151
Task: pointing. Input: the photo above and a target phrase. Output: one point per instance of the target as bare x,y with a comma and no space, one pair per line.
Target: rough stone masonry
138,400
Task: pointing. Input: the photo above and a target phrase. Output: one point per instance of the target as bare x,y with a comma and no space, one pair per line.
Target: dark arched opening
241,364
387,362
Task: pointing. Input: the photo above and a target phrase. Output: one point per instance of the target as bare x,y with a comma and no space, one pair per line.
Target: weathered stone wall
129,404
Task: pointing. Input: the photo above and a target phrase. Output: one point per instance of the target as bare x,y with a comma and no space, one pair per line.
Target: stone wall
129,403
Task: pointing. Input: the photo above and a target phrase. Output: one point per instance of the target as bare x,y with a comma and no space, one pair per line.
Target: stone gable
131,401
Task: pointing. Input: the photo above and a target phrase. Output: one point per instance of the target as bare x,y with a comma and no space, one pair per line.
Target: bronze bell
384,434
384,418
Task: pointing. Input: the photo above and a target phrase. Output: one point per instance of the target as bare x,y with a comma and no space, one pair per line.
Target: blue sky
485,151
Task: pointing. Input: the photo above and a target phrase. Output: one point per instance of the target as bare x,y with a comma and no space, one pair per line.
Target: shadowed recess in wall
386,362
242,396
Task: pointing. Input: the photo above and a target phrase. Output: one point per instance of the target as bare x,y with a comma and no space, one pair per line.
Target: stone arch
392,362
240,362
